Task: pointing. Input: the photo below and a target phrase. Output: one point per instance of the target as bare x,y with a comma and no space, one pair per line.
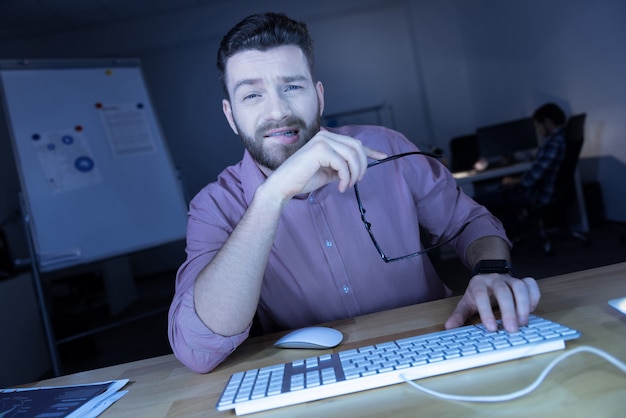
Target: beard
273,157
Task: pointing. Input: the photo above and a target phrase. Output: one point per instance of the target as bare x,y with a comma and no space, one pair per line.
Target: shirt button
346,289
311,199
329,244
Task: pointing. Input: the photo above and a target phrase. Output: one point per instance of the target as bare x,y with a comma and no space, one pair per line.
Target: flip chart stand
43,307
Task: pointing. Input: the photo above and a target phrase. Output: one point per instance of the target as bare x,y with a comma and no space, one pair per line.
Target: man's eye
250,96
292,87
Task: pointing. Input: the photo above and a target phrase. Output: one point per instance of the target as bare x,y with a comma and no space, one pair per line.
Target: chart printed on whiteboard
66,160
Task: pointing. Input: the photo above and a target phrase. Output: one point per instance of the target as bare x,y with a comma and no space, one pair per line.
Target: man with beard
278,239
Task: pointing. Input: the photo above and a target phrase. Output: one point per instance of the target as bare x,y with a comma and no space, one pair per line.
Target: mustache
292,122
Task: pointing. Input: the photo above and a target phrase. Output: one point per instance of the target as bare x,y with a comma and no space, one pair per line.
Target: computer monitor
507,142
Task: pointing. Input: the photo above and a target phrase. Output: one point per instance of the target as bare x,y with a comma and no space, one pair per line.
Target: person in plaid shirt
535,187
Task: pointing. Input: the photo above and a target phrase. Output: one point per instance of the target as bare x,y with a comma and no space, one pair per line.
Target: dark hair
263,32
550,111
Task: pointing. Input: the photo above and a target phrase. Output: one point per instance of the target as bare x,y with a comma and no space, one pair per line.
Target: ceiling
20,19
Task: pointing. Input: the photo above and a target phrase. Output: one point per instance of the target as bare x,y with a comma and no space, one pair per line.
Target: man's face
274,105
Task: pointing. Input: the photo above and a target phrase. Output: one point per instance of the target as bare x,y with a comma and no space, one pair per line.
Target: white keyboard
384,364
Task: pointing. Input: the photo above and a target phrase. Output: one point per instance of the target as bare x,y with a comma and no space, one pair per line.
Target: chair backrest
565,191
463,152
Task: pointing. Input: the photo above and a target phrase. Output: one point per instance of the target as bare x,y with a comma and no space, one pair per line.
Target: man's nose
278,107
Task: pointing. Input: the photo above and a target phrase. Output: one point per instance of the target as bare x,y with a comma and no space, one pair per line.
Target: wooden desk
584,385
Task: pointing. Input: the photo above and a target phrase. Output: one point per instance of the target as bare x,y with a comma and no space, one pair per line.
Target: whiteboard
96,176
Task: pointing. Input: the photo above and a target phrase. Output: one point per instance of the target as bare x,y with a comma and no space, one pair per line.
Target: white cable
525,391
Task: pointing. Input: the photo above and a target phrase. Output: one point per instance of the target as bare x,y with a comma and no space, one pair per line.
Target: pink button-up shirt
323,265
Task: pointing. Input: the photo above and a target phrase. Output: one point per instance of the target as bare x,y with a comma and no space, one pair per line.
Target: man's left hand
516,298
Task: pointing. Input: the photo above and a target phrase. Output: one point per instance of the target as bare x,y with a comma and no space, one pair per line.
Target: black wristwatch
493,266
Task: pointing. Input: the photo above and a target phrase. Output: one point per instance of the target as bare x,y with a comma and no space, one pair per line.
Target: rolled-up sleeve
193,343
481,226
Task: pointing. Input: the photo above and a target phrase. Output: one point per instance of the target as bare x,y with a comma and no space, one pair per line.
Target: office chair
463,152
552,217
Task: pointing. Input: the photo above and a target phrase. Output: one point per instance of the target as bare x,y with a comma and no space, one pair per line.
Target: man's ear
319,87
228,112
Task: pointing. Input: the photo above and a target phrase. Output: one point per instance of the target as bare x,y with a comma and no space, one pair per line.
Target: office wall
527,53
444,68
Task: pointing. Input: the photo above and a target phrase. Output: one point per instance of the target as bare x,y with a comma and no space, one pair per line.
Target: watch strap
493,266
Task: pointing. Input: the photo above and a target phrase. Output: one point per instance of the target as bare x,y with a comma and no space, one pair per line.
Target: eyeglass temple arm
395,157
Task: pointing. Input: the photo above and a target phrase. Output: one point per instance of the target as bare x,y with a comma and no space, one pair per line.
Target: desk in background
467,179
584,385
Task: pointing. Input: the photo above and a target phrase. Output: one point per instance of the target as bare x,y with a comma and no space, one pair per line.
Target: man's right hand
327,157
227,290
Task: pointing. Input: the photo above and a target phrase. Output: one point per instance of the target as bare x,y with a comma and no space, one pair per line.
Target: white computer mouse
311,338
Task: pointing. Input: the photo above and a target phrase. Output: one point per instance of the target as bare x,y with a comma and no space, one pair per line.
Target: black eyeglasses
368,225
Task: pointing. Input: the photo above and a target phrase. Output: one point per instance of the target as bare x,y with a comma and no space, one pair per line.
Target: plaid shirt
539,181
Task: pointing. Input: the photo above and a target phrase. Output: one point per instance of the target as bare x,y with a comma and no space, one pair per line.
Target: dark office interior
434,71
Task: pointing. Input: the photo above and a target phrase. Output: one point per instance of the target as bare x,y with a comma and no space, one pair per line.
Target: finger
522,303
487,317
459,316
528,286
533,292
336,167
374,154
352,153
510,294
483,302
526,295
358,161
